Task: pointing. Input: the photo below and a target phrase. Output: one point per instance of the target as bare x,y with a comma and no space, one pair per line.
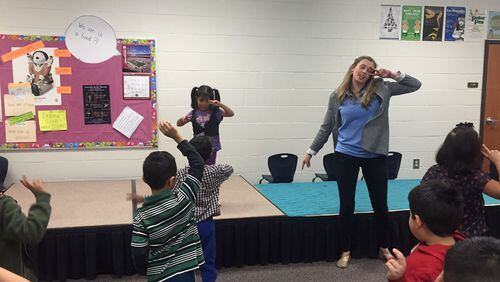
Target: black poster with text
96,104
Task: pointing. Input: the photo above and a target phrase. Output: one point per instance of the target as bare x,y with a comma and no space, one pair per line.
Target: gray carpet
358,270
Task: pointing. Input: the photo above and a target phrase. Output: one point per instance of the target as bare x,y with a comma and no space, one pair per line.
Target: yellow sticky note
53,120
20,132
64,71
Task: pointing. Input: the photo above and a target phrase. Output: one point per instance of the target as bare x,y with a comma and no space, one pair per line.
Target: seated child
472,260
165,242
207,203
435,214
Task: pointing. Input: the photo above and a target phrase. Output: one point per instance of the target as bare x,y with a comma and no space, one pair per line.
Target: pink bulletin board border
150,140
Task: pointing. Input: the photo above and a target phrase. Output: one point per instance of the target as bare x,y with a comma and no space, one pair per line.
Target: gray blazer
375,136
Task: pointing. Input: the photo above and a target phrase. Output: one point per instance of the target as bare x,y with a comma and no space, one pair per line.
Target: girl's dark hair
203,91
461,150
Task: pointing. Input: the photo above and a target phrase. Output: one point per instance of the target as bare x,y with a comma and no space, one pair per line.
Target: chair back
282,167
328,166
393,164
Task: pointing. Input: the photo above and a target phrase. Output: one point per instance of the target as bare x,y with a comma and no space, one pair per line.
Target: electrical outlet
416,163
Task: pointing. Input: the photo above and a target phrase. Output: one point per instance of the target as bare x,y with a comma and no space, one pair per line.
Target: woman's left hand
384,73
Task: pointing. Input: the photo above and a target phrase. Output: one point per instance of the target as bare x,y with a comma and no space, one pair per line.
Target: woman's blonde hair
346,84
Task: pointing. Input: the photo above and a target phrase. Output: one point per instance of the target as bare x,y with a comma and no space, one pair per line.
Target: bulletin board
90,96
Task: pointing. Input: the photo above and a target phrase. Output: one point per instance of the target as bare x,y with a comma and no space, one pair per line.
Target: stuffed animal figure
40,77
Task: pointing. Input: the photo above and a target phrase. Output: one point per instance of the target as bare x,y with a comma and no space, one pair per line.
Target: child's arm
136,198
228,112
195,161
396,266
140,246
182,121
225,171
492,188
16,226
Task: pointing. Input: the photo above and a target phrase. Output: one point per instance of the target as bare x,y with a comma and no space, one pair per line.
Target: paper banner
21,118
62,53
22,51
64,89
21,132
16,105
64,71
53,120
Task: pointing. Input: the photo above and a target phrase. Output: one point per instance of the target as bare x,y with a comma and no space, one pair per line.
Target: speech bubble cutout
91,39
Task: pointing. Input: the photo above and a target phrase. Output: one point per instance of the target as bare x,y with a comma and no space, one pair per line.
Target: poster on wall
493,25
389,21
137,58
411,23
38,69
96,102
475,25
433,23
455,24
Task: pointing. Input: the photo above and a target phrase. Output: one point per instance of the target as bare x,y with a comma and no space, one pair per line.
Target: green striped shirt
165,226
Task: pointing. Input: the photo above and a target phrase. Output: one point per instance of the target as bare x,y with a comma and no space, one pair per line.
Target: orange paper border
22,51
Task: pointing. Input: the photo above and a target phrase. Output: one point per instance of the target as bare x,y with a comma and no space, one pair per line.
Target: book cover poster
96,104
433,23
475,26
389,21
455,24
493,25
411,23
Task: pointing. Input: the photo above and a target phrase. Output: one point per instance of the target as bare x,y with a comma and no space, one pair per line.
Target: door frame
487,44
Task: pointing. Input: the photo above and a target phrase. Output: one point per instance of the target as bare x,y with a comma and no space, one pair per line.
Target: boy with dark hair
165,242
473,260
436,210
207,203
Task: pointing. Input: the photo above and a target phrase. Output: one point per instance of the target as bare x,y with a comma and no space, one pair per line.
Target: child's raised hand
136,198
396,266
215,103
35,186
170,131
492,155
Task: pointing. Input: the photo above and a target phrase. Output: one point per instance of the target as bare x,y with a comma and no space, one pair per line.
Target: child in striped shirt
207,203
165,241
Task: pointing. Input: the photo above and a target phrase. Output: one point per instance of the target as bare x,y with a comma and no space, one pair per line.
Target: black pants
375,174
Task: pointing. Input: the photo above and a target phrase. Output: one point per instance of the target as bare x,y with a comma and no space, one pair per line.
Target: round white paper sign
91,39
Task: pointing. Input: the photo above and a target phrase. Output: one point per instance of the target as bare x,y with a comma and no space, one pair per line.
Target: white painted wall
275,63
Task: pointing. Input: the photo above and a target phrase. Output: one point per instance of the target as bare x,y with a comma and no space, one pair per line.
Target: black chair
393,164
4,166
493,171
282,168
328,166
